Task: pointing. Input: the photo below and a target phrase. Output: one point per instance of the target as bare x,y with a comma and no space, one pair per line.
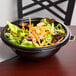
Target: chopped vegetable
32,24
43,34
26,43
53,29
13,28
47,39
59,28
46,21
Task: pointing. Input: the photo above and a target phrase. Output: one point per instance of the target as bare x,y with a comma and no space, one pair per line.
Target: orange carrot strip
52,44
59,40
46,46
32,37
12,33
18,34
23,28
36,37
29,21
48,42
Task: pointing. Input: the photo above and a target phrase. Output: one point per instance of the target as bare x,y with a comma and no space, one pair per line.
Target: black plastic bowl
35,53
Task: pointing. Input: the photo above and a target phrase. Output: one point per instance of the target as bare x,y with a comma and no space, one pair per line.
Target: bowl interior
35,21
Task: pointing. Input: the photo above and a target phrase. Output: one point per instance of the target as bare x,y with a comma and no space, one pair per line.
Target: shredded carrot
48,42
36,37
29,21
32,37
23,27
52,44
12,33
38,32
56,42
18,34
46,46
59,40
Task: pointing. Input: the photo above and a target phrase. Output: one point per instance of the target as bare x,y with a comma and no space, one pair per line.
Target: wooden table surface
63,63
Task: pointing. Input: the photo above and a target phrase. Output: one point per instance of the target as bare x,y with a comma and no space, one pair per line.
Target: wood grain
62,63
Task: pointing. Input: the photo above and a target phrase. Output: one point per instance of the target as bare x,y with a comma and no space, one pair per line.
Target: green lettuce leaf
46,21
59,28
13,27
11,38
46,39
26,43
53,29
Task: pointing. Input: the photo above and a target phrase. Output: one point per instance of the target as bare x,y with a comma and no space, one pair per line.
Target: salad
43,34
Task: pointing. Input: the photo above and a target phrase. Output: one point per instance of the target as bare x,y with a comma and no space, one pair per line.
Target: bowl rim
5,40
